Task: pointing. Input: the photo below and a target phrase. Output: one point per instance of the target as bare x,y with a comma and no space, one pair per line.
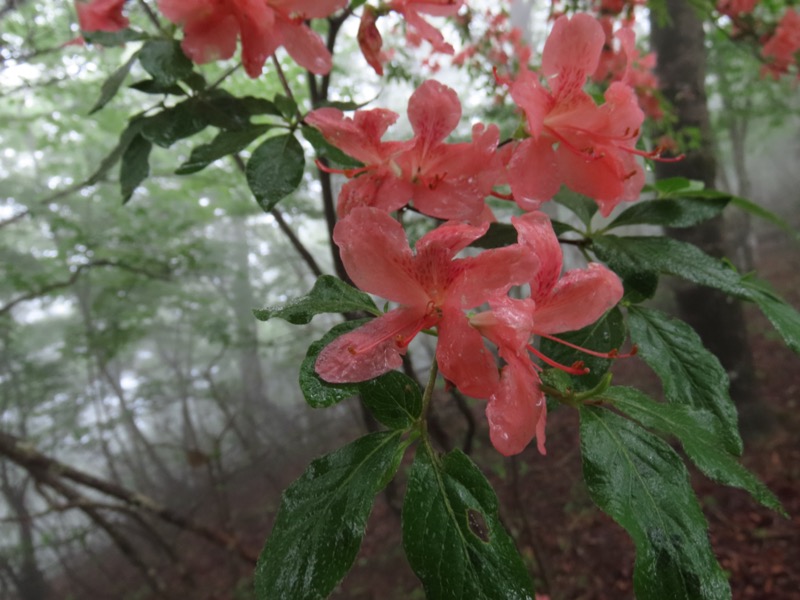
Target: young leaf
607,334
329,295
646,254
393,399
326,150
165,61
275,169
699,433
135,166
452,534
637,479
111,85
127,136
322,518
691,375
672,212
784,318
583,207
225,143
316,391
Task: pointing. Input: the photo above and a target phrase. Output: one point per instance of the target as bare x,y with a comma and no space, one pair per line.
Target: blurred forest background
148,422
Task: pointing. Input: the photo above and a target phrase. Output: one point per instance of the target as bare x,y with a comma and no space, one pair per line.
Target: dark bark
717,318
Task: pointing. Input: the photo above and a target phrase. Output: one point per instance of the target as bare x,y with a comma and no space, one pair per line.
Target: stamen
503,196
349,173
578,368
653,154
611,354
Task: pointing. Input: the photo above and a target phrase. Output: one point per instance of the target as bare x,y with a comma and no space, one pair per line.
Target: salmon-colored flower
589,148
211,28
446,181
432,287
517,411
371,42
101,15
782,48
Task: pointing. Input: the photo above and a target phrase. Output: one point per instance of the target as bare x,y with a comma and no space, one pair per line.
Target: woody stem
426,396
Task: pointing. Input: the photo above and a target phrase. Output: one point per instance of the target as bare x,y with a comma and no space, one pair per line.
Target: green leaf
583,207
691,375
326,150
394,399
322,518
135,166
498,236
317,392
125,139
700,434
111,85
225,143
637,479
452,534
151,86
165,61
286,106
784,318
672,212
607,334
763,213
677,186
275,169
329,295
175,123
627,255
113,38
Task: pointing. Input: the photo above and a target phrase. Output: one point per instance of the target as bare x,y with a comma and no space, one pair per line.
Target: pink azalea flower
432,287
211,28
380,183
589,148
446,181
370,40
782,47
101,15
517,411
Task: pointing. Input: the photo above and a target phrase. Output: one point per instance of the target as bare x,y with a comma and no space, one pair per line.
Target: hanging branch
25,455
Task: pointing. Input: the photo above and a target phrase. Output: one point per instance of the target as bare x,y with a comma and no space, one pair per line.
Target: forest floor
578,552
574,550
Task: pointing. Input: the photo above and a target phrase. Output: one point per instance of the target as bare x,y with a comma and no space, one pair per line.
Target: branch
25,455
284,226
72,279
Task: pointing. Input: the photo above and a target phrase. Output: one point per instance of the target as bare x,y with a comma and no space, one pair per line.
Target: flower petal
533,173
305,47
536,233
492,273
516,409
579,299
434,111
376,255
572,52
463,357
371,350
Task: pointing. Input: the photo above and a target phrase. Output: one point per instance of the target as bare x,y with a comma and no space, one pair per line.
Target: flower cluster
466,299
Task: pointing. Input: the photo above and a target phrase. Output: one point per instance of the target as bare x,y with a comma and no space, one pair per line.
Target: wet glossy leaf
316,391
691,375
165,61
224,144
135,166
453,536
275,169
583,207
635,477
322,518
111,85
393,399
329,295
700,434
672,212
607,334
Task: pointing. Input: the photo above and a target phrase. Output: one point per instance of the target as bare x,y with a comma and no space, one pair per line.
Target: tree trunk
717,318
